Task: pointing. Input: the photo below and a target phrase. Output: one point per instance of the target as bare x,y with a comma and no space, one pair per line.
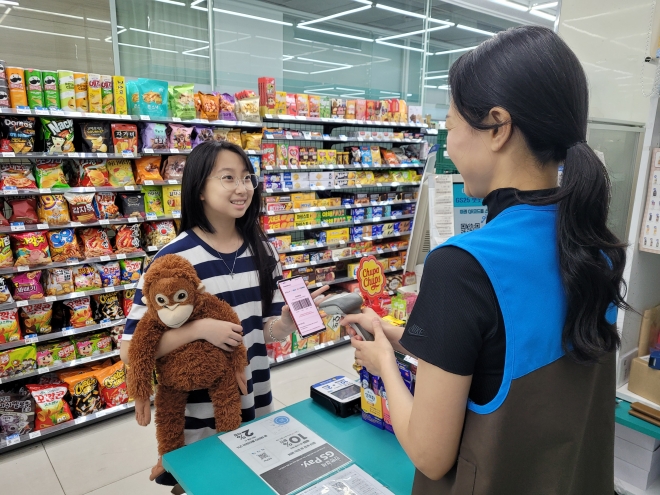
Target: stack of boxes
636,457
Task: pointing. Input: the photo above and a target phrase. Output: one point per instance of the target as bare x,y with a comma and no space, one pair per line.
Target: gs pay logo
320,459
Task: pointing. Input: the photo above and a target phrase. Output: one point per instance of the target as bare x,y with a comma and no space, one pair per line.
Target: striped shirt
243,294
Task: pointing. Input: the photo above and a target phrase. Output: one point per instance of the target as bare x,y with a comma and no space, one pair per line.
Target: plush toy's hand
157,470
241,378
143,411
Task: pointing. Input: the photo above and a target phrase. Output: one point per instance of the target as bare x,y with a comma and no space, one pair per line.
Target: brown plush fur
194,366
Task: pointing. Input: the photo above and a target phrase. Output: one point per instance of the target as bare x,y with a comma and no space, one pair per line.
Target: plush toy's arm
142,357
238,358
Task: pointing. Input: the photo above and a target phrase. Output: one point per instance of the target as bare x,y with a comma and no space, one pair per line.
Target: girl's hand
287,321
364,319
222,334
376,356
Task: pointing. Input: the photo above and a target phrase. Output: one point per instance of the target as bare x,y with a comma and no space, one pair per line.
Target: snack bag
153,97
130,270
85,278
227,104
94,93
17,175
119,95
153,200
203,134
180,137
291,108
302,105
23,211
59,281
171,199
120,173
6,257
183,102
30,248
17,361
95,242
110,273
314,106
127,300
132,205
27,286
248,109
5,295
124,138
95,137
133,98
220,134
160,234
52,353
154,136
210,106
85,396
116,334
35,318
147,168
251,141
63,245
20,132
16,413
51,408
50,175
105,207
389,157
112,380
92,173
3,221
173,167
234,137
80,313
106,94
127,239
10,331
108,307
53,209
57,135
81,207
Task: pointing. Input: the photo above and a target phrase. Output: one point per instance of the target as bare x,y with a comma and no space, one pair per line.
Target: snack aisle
89,195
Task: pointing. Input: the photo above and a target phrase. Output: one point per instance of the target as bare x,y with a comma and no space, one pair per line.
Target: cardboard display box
644,381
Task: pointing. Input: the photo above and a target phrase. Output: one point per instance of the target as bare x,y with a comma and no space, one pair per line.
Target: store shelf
100,259
326,168
352,223
342,139
308,352
66,297
321,245
74,225
64,332
337,121
16,441
174,151
341,280
292,266
37,192
66,156
339,188
343,207
70,364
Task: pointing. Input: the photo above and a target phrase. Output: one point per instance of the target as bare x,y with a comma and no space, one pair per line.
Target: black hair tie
583,141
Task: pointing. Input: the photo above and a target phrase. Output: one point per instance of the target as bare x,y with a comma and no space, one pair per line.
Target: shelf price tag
172,181
151,216
127,154
68,331
105,258
17,227
176,119
121,256
8,154
43,370
129,188
31,339
174,150
13,439
176,214
81,419
20,304
35,434
145,117
147,151
51,298
132,220
104,222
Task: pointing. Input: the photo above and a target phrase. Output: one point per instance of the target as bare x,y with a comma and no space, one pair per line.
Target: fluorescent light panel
400,11
148,48
172,2
195,49
333,33
239,14
367,2
168,35
437,77
548,5
43,32
543,15
295,71
98,20
331,70
334,16
48,13
7,2
195,3
438,21
475,30
457,50
512,5
430,87
320,61
403,47
350,89
413,33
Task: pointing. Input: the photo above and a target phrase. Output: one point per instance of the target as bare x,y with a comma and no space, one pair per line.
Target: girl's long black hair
530,72
199,165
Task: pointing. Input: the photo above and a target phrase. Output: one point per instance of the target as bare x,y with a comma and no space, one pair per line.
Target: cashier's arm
428,426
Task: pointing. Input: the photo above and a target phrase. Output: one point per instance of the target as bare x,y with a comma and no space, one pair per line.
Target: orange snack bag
147,168
112,381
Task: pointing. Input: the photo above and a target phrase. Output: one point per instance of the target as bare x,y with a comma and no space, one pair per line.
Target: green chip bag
182,102
153,200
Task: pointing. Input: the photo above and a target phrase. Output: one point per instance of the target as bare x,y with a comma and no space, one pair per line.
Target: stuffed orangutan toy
174,295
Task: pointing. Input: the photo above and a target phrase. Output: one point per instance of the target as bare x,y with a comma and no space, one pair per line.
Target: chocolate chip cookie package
51,93
34,82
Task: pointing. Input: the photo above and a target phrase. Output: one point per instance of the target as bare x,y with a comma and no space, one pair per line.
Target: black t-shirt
457,323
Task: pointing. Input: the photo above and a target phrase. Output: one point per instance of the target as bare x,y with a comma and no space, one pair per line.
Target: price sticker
44,190
335,258
132,220
84,360
268,167
56,111
101,413
105,258
51,298
204,121
176,214
172,181
8,154
13,439
35,434
145,117
121,256
73,295
125,117
23,110
395,248
127,154
71,263
343,138
268,190
76,224
322,208
42,225
279,359
342,242
313,262
129,188
147,151
357,221
31,339
270,231
80,420
380,250
176,119
394,184
379,184
174,150
17,227
301,227
102,155
376,219
68,331
292,266
73,154
358,185
151,216
104,222
332,342
43,370
109,289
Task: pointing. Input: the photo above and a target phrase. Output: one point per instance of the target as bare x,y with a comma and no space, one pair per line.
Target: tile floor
115,456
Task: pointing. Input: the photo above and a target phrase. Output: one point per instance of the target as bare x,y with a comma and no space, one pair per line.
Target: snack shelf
320,245
339,258
16,441
354,166
72,295
343,207
62,190
66,156
61,366
64,332
99,223
308,352
325,225
342,139
335,121
340,188
169,182
100,259
316,285
174,151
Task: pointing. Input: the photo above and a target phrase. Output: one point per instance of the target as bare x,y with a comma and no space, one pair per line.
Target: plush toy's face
173,299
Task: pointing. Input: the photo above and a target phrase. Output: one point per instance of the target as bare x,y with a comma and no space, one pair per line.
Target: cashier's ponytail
534,75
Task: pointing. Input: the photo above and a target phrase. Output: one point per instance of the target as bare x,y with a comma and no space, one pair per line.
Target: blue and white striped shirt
243,294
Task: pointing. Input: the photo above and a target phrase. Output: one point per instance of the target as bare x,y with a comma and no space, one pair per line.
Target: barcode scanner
346,304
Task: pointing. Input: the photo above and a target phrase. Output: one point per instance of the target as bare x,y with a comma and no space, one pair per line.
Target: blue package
152,97
366,156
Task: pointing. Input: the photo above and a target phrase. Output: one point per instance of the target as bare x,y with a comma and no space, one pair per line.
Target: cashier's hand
363,319
376,356
287,320
143,411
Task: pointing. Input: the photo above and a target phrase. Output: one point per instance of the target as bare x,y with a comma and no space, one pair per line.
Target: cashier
514,324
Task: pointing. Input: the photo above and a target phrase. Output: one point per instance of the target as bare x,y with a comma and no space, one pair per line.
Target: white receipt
349,481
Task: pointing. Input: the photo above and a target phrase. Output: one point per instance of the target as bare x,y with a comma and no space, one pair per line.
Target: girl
221,236
516,378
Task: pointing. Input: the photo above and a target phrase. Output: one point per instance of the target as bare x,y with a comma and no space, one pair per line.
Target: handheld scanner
346,304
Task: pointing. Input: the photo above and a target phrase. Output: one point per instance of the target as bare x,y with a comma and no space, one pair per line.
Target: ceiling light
513,5
7,2
350,89
388,93
444,86
399,11
98,20
47,12
548,5
168,35
333,33
230,12
295,71
475,30
543,15
122,30
413,33
438,77
403,47
320,89
189,52
93,39
287,57
173,2
457,50
195,55
43,32
436,71
430,87
148,48
320,61
334,16
331,70
195,3
367,2
438,21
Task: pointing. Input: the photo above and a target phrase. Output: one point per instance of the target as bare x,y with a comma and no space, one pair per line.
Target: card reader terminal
340,395
346,304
